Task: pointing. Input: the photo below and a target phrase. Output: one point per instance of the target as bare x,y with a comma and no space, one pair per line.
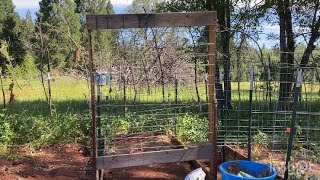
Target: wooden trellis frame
156,20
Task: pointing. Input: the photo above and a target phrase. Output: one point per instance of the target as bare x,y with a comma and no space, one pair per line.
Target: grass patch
27,122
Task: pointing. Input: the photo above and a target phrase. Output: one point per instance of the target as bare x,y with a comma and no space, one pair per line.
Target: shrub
27,69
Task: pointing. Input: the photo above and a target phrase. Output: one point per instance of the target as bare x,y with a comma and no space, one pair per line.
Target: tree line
57,34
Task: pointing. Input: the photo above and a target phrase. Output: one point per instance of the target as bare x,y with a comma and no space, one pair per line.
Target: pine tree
102,39
27,31
11,32
58,28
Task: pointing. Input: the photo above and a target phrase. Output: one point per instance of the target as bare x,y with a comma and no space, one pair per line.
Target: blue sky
23,11
22,6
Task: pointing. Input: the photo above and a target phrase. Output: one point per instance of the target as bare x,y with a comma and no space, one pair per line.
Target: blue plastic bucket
252,168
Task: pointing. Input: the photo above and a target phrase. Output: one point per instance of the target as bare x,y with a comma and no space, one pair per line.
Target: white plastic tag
251,79
299,78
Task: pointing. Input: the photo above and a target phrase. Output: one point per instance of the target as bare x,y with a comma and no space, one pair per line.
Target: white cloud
121,2
26,4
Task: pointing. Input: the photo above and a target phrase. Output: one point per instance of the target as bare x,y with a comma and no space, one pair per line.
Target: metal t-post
293,121
176,104
250,114
222,111
100,145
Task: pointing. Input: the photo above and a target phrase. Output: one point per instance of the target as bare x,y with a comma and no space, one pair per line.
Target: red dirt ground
175,171
67,162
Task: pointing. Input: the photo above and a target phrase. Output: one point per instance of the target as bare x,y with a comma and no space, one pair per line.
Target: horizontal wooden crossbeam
202,151
125,21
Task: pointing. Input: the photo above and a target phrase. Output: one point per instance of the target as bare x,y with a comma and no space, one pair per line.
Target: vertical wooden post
212,106
93,107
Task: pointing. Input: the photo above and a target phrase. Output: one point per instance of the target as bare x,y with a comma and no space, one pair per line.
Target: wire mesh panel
272,114
156,94
153,101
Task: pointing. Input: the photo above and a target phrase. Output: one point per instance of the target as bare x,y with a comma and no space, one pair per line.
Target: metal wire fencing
156,95
271,118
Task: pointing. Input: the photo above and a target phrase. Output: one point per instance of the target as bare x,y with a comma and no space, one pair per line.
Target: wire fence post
222,111
176,103
100,144
93,107
250,113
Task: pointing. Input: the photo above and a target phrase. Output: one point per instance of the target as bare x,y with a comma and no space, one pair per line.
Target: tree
290,14
144,6
10,32
57,36
60,28
102,40
27,31
224,10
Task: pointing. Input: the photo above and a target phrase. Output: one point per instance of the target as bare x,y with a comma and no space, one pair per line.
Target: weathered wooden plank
212,102
91,22
146,158
232,154
124,21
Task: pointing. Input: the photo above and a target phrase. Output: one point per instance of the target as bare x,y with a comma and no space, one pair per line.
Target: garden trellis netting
152,98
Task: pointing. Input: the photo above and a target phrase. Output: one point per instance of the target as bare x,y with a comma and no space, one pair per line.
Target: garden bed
142,142
72,161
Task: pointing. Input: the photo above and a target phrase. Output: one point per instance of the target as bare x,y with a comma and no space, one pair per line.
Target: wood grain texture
125,21
203,151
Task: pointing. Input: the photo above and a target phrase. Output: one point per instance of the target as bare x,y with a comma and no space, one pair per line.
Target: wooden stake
212,109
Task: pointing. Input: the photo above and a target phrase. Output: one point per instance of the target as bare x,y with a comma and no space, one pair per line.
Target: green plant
27,69
6,134
6,131
299,170
260,141
192,128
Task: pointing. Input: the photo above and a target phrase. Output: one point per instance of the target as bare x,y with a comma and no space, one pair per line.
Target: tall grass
27,121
